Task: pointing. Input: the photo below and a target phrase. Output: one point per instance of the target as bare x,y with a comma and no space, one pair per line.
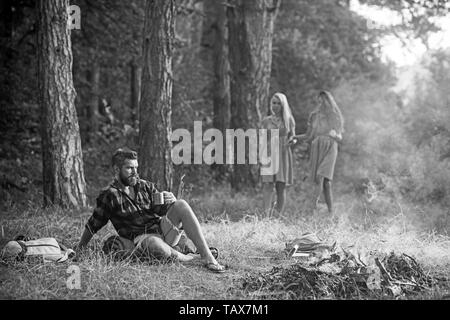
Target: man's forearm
85,238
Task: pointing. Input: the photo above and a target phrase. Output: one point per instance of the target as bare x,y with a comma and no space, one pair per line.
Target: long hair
332,111
287,113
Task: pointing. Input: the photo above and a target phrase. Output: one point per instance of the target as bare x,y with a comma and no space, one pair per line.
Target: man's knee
181,204
156,247
179,211
179,208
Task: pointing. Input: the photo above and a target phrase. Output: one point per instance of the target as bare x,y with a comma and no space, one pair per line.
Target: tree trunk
215,41
155,127
221,97
6,53
93,114
136,74
251,24
63,173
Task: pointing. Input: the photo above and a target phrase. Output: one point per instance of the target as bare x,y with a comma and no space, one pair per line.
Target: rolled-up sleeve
101,214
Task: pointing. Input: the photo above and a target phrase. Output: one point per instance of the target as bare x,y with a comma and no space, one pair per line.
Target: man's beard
130,180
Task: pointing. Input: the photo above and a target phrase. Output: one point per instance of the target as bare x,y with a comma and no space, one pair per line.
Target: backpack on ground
48,249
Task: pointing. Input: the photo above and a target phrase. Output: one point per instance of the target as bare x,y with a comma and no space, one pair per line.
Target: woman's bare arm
307,136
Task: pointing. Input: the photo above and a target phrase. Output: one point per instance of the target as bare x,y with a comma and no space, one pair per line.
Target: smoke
396,138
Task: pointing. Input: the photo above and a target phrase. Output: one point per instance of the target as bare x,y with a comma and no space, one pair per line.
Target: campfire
341,275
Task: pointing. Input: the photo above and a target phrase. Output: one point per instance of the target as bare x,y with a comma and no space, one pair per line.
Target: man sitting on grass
154,229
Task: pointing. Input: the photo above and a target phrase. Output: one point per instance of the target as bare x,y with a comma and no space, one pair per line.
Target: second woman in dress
325,128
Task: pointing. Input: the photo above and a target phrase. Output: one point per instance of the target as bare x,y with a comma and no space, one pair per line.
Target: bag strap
22,253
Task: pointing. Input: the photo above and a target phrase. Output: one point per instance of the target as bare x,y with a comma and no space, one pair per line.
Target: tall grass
248,242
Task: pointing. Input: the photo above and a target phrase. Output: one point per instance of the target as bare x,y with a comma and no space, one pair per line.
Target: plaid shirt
130,217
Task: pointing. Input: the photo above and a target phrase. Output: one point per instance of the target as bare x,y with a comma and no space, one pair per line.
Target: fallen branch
383,270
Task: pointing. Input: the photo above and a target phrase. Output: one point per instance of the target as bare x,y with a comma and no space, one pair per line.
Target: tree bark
251,25
155,125
6,53
215,41
63,173
136,74
93,114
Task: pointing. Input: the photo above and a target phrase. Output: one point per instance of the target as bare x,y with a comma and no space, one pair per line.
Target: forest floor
249,244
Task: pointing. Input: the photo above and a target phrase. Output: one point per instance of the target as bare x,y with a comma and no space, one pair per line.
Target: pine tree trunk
6,53
63,173
155,127
136,74
215,41
251,24
93,114
222,74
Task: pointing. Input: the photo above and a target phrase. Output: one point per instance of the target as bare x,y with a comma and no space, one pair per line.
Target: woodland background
396,131
392,177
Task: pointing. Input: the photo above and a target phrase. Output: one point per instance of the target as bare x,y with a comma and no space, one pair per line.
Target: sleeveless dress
324,148
286,162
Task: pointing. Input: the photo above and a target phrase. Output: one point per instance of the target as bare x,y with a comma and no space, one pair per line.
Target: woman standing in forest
280,118
325,129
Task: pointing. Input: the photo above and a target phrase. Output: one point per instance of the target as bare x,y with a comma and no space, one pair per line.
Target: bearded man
153,228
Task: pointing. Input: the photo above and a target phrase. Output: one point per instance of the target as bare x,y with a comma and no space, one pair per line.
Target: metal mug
158,198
